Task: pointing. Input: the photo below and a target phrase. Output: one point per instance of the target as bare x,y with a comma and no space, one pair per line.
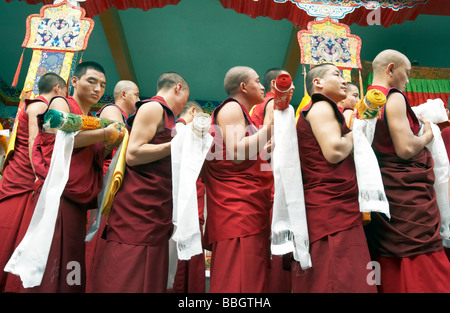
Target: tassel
16,77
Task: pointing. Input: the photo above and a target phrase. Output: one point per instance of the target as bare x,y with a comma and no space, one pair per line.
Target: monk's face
182,96
253,88
90,87
332,84
399,75
131,96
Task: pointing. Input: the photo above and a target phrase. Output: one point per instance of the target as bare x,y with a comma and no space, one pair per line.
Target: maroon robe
238,206
332,212
16,192
79,195
259,111
400,243
140,223
95,247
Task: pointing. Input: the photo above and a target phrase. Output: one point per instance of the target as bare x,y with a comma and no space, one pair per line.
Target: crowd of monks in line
130,252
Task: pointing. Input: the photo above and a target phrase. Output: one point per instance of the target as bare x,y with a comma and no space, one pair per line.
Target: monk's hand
111,134
427,132
268,147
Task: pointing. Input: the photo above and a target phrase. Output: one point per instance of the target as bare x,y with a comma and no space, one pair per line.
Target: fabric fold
112,181
434,112
289,225
188,152
371,194
29,259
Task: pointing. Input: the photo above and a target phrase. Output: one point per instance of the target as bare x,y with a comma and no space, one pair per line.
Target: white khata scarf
371,197
289,225
188,151
29,260
434,111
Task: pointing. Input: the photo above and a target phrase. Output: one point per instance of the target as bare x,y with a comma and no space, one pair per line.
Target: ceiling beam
292,56
112,26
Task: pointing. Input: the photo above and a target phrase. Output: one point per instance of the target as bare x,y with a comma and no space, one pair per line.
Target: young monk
238,189
408,247
347,105
338,248
136,255
126,95
16,184
84,183
279,270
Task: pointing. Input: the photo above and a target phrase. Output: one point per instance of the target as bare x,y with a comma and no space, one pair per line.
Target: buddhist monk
16,185
338,248
347,105
84,182
190,275
279,270
136,255
408,247
126,95
238,188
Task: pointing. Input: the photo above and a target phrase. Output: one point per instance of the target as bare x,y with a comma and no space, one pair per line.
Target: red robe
80,194
446,138
259,111
135,258
339,251
402,243
238,209
16,191
95,248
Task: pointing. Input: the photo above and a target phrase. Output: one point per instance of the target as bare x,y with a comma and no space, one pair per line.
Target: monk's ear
390,68
178,88
242,87
74,81
317,82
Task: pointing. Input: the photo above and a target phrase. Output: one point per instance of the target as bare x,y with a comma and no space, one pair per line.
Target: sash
29,259
289,225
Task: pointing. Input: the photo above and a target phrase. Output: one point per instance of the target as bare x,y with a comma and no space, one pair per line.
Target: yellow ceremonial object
117,177
370,106
305,101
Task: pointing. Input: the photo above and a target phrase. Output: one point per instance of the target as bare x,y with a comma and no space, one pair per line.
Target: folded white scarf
30,257
371,194
95,217
289,225
188,152
434,112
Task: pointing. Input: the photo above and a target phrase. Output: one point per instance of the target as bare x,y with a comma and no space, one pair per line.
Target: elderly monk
136,256
16,185
408,247
339,252
238,188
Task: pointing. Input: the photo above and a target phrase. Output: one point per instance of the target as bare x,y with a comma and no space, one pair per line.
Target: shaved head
234,77
169,80
123,85
318,71
386,57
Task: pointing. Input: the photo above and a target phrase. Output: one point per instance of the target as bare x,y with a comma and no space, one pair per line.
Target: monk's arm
145,126
33,110
334,145
110,135
405,142
240,147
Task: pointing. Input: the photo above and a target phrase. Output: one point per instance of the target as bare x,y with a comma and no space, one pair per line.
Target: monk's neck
84,106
